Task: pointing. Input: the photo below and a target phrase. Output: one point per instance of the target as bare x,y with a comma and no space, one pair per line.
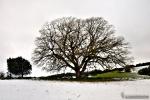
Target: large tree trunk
22,75
78,74
22,72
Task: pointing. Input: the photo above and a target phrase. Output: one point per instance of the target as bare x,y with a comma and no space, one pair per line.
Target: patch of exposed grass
115,74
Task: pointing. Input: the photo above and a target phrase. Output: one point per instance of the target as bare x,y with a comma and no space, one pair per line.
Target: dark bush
144,71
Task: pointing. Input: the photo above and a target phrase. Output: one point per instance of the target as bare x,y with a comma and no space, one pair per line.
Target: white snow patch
57,90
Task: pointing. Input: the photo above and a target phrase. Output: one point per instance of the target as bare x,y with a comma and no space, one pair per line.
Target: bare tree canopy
79,44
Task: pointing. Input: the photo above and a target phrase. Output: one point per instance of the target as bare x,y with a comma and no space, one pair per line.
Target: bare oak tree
79,44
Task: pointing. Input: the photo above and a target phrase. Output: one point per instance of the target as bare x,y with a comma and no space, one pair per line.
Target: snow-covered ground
54,90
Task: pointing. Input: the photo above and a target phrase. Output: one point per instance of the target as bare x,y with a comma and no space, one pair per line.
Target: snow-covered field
54,90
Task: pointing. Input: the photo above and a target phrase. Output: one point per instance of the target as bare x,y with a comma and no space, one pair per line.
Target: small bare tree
79,44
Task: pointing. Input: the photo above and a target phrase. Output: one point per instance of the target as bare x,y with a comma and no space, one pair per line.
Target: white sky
20,21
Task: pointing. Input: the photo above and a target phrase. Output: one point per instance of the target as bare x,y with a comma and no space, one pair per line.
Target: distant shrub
144,71
127,69
2,75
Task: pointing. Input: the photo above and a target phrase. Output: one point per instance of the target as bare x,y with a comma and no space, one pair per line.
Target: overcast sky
20,21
